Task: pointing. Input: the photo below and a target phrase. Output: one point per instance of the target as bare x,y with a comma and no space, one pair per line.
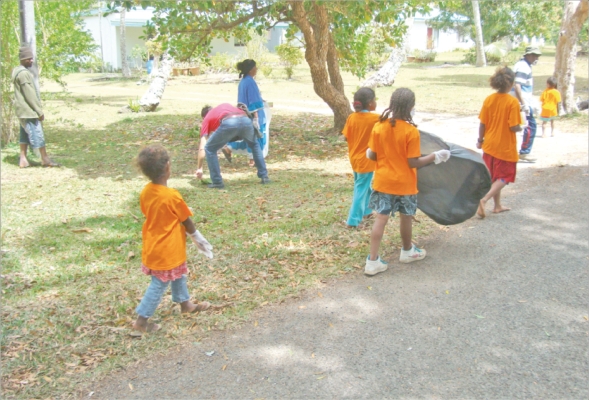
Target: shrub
290,57
424,55
220,63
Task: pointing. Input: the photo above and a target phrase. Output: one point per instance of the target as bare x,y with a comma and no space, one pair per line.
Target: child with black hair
500,119
167,222
357,133
550,99
395,146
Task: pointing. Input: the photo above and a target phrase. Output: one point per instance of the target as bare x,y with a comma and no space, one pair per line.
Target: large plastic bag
450,192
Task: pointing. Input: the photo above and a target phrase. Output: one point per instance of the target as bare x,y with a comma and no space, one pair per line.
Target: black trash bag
450,192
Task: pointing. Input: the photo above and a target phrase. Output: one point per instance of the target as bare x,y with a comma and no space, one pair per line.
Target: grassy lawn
71,237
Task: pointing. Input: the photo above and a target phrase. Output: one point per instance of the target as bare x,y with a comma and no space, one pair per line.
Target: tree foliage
335,33
62,46
501,19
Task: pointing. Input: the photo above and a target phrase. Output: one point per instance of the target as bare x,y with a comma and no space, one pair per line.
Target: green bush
220,63
290,56
425,55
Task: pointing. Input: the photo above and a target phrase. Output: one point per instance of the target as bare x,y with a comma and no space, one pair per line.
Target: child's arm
189,225
422,161
514,129
371,155
481,136
199,240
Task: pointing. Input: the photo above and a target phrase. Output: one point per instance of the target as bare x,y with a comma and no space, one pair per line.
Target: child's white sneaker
415,254
374,267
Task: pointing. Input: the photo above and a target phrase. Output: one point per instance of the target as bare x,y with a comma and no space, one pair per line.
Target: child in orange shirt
167,221
395,146
357,133
500,119
550,99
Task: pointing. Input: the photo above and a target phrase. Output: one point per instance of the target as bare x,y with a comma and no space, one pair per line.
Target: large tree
335,33
476,12
575,15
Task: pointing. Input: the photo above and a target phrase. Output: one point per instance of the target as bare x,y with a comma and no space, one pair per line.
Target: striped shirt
523,77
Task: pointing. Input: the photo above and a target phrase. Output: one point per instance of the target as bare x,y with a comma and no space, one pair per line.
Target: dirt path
498,309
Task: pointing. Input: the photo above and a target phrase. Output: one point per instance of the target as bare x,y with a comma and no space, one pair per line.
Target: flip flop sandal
227,153
52,165
205,305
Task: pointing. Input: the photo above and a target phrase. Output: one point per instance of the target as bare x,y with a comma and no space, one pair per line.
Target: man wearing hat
522,91
28,109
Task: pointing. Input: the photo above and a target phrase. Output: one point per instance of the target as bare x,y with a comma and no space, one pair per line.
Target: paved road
497,310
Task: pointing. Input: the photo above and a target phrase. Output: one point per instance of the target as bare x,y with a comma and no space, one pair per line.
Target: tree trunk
124,65
321,55
575,14
151,99
481,58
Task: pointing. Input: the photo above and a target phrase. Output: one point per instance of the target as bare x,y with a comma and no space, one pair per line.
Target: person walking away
522,91
249,94
394,145
357,133
500,120
550,100
167,222
28,109
221,125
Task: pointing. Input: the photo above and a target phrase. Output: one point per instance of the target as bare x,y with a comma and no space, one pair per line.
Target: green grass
72,243
71,237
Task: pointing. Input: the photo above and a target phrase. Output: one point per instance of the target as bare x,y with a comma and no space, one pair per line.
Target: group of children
384,153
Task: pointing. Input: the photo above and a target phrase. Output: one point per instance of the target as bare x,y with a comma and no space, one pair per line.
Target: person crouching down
221,125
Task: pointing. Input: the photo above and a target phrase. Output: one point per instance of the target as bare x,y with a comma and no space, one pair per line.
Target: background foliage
62,47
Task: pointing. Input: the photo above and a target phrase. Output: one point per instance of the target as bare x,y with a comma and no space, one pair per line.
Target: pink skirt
166,275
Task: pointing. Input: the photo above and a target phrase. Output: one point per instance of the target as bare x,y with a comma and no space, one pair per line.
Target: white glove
202,244
525,108
256,123
441,156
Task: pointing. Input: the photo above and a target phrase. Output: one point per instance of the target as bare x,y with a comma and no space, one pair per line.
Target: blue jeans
361,197
529,134
156,290
231,129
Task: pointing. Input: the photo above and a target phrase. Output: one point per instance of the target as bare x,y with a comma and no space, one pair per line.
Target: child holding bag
167,222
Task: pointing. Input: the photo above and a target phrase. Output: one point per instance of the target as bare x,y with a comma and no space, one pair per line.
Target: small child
167,221
357,133
550,99
395,146
500,119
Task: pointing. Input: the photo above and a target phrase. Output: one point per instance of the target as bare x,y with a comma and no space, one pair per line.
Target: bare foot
252,163
544,136
501,209
189,307
481,210
146,327
23,163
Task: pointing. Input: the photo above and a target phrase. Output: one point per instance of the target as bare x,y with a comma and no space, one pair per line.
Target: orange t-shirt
393,146
357,132
164,236
550,99
500,112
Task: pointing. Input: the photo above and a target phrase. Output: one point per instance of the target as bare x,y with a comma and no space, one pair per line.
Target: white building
423,37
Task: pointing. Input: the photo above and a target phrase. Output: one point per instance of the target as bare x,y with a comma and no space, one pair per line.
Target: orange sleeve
484,114
558,98
372,145
413,145
543,97
180,208
346,130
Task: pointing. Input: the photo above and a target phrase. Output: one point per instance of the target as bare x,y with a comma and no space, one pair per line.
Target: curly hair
362,98
502,80
205,110
552,82
245,67
400,106
152,161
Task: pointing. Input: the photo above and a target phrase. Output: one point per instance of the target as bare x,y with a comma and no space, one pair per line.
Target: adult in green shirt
28,109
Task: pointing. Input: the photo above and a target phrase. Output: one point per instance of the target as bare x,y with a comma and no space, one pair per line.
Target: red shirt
213,119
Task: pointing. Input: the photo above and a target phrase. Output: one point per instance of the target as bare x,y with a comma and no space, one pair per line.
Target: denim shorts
385,204
31,133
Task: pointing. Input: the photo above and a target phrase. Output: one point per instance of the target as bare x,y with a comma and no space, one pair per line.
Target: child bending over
550,100
394,145
357,133
167,221
500,119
